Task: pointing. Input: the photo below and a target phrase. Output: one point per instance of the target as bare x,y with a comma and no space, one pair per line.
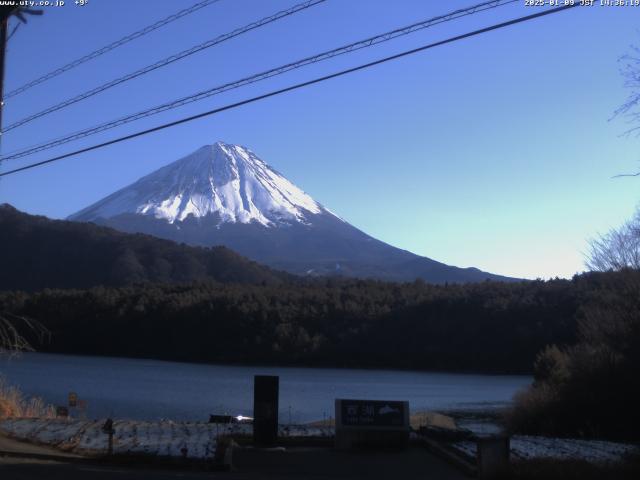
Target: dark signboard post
372,423
493,456
265,409
62,411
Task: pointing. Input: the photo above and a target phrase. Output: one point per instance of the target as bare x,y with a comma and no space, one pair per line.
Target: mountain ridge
224,194
37,252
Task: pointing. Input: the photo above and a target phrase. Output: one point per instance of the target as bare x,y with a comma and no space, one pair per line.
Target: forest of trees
488,327
590,387
37,252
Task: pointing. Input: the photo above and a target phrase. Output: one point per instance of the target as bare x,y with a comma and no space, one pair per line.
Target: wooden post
110,446
109,430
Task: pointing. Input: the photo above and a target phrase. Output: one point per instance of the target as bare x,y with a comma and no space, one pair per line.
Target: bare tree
630,71
12,328
618,249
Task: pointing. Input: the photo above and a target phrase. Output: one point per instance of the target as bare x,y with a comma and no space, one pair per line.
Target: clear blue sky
494,152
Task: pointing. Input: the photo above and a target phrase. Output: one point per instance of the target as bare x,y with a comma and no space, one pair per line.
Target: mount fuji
223,194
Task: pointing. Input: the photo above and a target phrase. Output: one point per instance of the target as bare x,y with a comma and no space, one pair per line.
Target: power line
167,61
14,30
377,39
111,46
295,87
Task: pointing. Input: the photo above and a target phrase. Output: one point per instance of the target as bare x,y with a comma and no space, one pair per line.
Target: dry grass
432,419
327,422
13,403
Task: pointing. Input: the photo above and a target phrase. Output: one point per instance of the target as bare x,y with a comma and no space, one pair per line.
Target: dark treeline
489,327
36,252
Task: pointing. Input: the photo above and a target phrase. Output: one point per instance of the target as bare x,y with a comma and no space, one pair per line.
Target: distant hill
37,252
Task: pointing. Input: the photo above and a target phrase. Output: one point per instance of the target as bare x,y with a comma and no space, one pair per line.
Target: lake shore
152,390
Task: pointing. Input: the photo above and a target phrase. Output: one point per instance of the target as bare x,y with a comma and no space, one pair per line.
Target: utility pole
5,14
4,27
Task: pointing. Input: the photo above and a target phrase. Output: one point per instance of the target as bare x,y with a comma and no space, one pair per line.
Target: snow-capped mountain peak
223,194
223,179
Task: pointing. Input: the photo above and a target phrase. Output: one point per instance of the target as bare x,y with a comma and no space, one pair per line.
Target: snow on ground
162,438
167,438
528,447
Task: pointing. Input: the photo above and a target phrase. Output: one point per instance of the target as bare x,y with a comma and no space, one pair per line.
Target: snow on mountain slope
224,194
229,180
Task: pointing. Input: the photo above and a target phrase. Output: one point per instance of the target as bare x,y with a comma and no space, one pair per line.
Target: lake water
153,389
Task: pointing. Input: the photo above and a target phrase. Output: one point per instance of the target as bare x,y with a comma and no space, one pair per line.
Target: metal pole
3,46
